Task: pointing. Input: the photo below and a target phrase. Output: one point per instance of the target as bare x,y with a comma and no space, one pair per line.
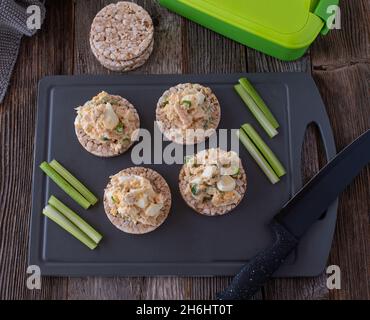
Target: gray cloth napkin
13,25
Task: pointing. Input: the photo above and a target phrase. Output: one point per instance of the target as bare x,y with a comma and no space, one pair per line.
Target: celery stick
247,86
77,220
86,193
256,155
67,225
265,150
256,111
64,185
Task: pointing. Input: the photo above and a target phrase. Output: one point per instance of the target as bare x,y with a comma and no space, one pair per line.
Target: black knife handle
260,269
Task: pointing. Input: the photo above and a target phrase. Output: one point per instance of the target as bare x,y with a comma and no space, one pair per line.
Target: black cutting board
187,243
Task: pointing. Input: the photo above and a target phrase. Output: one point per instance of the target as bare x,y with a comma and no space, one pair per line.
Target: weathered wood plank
46,53
173,288
258,62
348,45
97,288
207,52
346,94
341,68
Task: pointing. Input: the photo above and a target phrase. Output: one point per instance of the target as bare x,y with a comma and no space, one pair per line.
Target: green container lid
281,28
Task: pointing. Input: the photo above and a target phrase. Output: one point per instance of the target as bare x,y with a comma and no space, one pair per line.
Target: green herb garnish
120,127
194,189
187,103
105,138
114,200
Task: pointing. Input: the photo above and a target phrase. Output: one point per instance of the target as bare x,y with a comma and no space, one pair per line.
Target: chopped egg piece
229,171
226,184
142,202
200,98
110,119
209,172
154,209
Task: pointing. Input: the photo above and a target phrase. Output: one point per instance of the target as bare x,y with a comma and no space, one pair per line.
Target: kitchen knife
298,214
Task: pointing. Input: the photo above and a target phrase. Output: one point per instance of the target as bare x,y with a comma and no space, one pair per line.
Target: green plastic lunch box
281,28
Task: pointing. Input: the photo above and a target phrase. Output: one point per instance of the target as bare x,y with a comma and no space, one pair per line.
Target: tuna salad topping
133,198
107,119
187,109
212,177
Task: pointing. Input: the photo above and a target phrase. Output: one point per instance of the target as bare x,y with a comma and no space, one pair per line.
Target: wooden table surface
339,64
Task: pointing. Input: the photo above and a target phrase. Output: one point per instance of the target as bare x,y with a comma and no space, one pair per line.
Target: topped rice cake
188,113
107,125
137,200
213,182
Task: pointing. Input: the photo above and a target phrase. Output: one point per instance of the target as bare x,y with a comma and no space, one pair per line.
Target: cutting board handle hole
313,156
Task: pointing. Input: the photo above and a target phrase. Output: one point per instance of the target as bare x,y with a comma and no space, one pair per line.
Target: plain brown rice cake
188,113
107,125
137,200
125,66
213,182
122,36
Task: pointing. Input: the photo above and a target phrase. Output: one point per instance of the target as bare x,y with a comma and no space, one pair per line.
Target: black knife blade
296,217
